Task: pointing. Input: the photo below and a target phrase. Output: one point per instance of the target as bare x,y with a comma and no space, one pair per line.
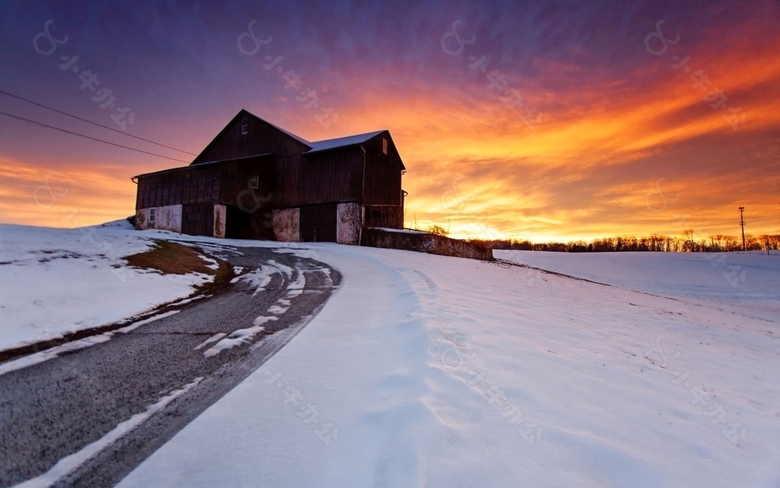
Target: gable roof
310,147
340,142
244,113
199,165
299,139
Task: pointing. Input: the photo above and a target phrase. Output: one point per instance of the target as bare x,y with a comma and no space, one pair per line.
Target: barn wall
197,219
349,221
220,220
235,181
261,138
165,218
183,186
332,176
383,174
383,183
287,224
382,194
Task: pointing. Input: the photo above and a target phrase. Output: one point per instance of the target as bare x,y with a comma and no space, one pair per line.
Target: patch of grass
170,258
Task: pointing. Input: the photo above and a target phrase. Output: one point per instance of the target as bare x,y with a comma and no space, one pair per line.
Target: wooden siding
183,186
383,173
382,195
262,138
197,219
333,176
318,223
235,177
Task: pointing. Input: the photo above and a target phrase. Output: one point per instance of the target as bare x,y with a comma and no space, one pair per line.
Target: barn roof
342,142
298,138
199,165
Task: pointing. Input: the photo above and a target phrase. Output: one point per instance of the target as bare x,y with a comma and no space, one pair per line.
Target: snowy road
90,414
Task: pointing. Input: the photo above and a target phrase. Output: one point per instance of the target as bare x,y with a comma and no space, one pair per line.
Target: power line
92,138
93,123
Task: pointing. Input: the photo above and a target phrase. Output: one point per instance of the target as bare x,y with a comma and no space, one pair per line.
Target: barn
258,181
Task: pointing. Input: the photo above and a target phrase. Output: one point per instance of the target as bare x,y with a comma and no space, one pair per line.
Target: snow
238,337
54,281
746,283
258,278
118,224
210,263
286,270
426,370
214,338
342,141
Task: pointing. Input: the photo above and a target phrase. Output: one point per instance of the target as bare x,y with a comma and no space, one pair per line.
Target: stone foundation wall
349,220
220,220
424,242
165,218
287,225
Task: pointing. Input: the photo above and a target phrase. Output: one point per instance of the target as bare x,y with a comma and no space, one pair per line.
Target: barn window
245,126
384,146
254,181
151,215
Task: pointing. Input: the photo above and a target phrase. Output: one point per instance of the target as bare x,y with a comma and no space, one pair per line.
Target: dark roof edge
376,133
199,165
336,148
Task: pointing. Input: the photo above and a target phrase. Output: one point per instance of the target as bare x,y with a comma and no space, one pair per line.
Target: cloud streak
615,117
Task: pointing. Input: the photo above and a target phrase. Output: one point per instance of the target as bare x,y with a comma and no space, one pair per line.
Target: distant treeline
688,242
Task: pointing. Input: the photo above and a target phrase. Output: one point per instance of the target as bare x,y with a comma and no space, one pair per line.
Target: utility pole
742,224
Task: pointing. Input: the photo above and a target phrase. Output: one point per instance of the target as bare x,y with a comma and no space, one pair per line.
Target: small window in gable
151,215
245,126
384,146
254,181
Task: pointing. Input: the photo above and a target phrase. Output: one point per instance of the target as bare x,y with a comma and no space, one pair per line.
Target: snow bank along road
87,412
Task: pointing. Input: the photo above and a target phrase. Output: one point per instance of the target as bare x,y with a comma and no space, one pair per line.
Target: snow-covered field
54,281
433,371
747,283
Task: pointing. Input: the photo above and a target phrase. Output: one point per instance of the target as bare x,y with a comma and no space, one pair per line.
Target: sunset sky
626,143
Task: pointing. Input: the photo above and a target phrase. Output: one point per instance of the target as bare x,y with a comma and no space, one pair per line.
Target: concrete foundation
287,224
424,242
349,220
220,220
165,218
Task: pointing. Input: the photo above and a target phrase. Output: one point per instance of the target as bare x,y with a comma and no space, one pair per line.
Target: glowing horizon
618,122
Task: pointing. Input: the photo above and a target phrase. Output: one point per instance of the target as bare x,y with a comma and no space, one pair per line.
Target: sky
538,120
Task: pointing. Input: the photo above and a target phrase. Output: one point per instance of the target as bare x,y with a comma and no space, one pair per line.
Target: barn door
318,223
197,219
238,224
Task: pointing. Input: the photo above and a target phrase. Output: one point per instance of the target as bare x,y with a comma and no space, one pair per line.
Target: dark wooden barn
257,181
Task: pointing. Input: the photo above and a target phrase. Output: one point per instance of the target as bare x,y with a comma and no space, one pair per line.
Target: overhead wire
90,137
93,123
